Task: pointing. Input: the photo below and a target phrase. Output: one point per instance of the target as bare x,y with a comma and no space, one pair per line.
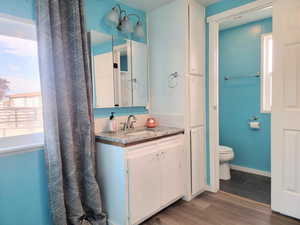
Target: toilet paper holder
254,123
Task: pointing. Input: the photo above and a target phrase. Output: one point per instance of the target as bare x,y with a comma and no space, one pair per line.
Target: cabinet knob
162,154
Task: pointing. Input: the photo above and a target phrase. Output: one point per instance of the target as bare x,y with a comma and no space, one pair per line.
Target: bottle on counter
112,126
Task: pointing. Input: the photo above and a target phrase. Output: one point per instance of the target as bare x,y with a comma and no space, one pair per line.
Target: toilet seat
225,150
226,153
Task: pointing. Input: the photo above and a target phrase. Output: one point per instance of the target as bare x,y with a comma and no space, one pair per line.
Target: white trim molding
214,104
250,7
250,170
4,16
21,144
214,22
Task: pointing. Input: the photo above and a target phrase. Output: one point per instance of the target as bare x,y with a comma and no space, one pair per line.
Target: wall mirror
120,71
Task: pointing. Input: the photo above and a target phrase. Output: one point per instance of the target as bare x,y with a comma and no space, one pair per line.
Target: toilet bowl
226,154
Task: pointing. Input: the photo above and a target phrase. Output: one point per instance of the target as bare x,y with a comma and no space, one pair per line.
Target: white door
171,172
144,184
197,101
197,160
286,108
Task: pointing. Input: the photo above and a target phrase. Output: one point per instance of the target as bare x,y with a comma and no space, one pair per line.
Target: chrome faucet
129,124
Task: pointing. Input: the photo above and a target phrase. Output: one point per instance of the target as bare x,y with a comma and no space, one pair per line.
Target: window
267,71
20,96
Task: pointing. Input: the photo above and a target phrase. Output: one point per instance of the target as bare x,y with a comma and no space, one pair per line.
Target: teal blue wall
240,54
209,11
124,111
102,48
224,5
19,8
124,63
23,190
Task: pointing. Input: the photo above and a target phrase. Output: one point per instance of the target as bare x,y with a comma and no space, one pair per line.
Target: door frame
214,22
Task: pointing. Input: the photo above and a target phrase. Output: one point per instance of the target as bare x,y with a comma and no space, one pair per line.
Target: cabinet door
196,101
196,38
197,159
144,185
171,172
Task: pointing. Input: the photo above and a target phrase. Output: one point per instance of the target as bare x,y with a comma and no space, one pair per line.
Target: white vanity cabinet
140,180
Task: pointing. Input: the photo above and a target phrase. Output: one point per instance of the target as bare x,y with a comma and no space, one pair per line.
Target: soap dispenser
112,126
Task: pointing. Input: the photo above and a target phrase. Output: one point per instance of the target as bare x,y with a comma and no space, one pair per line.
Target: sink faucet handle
129,121
132,124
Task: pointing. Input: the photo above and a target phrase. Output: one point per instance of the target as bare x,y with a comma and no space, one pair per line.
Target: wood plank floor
219,209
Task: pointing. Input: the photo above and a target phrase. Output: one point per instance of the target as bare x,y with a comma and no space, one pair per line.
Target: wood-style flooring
252,186
219,209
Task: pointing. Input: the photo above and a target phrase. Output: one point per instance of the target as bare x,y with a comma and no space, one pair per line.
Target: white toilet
226,154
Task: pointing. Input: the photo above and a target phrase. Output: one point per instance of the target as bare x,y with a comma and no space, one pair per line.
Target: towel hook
172,80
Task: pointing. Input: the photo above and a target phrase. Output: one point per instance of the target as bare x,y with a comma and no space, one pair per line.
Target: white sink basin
140,133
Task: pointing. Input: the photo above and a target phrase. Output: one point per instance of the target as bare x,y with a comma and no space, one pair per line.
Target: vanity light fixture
119,18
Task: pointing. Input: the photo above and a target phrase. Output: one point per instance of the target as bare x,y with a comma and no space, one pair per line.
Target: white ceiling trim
246,18
148,5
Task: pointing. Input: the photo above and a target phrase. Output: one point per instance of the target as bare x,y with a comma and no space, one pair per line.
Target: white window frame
266,77
21,143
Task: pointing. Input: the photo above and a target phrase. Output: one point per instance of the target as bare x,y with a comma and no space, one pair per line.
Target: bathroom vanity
140,172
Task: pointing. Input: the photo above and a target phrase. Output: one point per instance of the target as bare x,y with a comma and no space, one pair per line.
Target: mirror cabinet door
119,69
139,73
102,69
122,72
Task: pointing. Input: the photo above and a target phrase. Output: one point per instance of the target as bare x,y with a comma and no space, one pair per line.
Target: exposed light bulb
113,17
125,25
139,30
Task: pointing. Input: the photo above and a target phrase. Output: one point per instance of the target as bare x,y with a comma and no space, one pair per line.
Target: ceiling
148,5
247,18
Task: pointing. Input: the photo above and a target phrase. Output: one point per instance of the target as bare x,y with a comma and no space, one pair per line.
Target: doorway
245,76
238,120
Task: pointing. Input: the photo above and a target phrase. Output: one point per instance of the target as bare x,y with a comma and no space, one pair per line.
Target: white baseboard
250,170
210,189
